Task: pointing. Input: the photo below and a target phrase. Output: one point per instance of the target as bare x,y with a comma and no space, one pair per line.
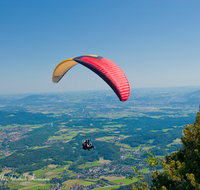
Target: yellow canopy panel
62,68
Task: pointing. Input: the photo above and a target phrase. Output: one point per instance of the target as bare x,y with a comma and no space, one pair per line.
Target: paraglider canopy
105,68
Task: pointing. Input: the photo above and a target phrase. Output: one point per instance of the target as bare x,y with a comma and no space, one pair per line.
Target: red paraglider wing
109,72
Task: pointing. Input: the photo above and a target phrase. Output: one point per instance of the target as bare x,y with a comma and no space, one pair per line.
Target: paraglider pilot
87,145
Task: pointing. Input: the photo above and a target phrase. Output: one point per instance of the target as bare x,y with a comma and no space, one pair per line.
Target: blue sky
155,42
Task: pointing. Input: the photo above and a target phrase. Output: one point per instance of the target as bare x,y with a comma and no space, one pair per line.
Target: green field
13,126
39,173
154,131
165,130
88,182
108,188
177,141
48,172
146,170
36,187
15,184
125,181
88,164
64,136
108,126
22,185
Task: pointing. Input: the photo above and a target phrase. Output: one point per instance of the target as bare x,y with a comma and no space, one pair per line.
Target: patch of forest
34,159
23,118
148,123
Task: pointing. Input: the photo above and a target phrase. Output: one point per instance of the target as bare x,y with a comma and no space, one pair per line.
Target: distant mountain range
183,95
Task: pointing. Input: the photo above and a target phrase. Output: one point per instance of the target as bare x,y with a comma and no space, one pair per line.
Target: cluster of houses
13,134
106,169
89,187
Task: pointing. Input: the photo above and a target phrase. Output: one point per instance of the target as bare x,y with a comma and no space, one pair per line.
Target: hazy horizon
109,90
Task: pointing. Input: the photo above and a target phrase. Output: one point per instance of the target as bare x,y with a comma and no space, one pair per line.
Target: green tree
182,168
